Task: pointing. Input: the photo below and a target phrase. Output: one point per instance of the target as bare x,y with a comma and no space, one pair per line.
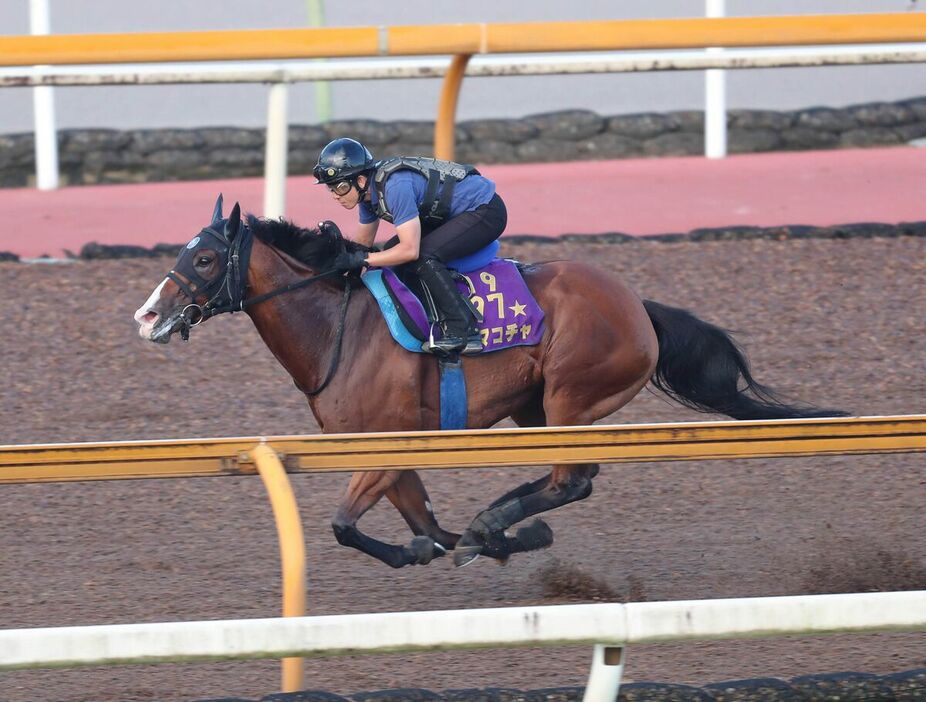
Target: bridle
227,293
224,294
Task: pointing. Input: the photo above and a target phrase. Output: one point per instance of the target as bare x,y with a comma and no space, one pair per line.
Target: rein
240,306
235,284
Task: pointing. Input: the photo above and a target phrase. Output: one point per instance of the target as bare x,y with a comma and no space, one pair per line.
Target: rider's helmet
342,159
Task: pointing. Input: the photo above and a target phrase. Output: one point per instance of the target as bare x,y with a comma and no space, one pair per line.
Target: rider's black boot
456,317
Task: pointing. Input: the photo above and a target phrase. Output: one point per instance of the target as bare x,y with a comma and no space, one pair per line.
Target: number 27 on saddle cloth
511,315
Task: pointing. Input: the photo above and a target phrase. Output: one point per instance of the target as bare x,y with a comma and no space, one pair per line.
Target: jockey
441,211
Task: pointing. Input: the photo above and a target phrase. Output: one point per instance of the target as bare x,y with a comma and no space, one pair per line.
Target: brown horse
601,346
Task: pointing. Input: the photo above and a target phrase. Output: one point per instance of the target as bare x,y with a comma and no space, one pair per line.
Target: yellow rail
446,39
457,449
465,449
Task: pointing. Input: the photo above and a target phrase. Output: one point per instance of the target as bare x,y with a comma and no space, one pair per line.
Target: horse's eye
203,261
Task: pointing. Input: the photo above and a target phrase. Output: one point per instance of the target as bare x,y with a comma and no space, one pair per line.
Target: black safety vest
434,208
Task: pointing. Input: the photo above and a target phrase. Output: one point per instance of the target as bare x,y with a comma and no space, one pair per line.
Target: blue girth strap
452,383
452,394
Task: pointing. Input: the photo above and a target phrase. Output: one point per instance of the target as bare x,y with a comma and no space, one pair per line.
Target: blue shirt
406,193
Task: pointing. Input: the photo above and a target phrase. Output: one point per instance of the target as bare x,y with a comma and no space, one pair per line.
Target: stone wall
113,156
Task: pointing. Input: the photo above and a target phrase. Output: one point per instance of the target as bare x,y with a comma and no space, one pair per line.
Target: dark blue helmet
341,159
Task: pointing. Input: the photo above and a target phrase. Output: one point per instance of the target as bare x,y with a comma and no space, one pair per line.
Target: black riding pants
464,234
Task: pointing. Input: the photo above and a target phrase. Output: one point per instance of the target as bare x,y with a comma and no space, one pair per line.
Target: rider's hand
350,260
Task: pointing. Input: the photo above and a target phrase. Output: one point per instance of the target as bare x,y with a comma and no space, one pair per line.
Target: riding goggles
341,188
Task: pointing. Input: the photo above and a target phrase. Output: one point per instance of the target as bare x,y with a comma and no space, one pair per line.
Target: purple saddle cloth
511,315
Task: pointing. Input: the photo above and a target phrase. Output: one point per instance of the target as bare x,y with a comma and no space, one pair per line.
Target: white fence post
43,102
604,680
275,154
715,97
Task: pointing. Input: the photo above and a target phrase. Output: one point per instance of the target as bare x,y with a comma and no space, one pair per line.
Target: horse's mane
310,246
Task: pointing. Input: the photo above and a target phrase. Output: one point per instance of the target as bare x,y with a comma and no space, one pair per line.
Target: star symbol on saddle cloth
518,308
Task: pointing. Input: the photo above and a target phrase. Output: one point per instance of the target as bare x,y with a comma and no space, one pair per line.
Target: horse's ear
233,222
217,212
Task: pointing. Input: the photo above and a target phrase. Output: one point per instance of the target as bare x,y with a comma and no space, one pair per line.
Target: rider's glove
350,260
329,227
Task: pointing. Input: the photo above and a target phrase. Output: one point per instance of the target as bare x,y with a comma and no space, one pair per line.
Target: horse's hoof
464,555
467,549
425,549
535,535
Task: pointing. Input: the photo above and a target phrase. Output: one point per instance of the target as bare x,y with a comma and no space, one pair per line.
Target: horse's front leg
409,496
364,491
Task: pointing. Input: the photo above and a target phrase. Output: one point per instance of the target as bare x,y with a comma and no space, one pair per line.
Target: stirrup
473,345
454,344
445,345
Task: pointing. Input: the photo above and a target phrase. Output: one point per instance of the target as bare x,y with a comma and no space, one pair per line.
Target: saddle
508,313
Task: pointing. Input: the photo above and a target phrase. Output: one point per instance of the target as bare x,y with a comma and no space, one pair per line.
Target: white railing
608,627
280,73
296,71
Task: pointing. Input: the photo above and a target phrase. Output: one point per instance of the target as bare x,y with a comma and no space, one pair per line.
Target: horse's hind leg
364,491
486,533
530,416
564,484
521,490
497,543
538,534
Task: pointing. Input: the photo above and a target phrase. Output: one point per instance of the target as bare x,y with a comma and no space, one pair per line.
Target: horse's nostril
150,317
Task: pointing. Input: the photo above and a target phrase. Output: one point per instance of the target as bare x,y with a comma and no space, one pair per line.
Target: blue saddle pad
373,279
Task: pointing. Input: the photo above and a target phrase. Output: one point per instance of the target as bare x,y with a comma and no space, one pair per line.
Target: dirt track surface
838,323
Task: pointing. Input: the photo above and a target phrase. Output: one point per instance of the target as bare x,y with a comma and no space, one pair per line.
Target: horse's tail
703,368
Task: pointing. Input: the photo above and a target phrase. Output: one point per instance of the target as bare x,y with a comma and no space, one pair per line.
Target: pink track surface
639,196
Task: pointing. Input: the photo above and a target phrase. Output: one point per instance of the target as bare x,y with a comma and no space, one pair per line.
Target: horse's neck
299,326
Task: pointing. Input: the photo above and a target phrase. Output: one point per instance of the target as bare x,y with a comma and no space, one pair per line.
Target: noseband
226,294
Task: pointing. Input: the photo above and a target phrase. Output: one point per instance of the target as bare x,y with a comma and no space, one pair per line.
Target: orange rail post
445,125
292,548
